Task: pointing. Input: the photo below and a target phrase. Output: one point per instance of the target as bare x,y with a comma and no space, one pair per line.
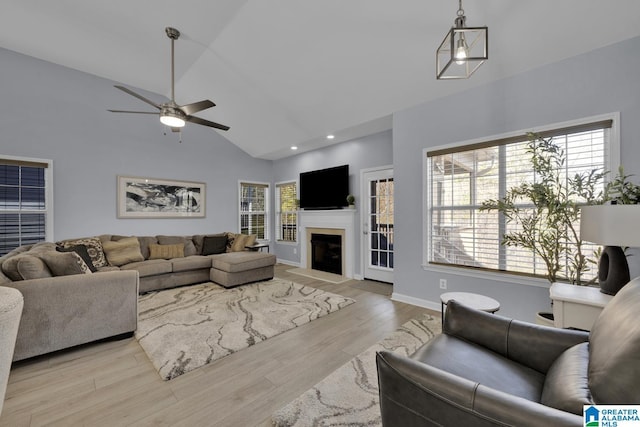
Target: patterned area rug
349,395
185,328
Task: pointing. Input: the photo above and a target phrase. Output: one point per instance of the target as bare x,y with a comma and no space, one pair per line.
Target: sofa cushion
189,247
124,251
566,385
84,254
65,263
149,267
193,262
10,267
214,244
242,261
145,241
166,251
94,247
31,267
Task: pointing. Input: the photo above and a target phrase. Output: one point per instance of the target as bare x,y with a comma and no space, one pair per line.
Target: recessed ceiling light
330,136
293,147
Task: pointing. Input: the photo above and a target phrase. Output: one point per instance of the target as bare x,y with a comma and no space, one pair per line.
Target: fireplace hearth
326,252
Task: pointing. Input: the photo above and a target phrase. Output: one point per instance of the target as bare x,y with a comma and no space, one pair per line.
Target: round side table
477,301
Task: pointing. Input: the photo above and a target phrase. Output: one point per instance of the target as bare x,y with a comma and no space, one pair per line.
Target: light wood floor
113,383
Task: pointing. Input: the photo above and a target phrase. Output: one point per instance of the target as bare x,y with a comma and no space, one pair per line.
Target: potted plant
547,211
351,200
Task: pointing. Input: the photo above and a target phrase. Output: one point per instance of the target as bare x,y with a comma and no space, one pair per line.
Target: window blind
460,179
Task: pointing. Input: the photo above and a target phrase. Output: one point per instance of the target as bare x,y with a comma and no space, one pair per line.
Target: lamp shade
611,225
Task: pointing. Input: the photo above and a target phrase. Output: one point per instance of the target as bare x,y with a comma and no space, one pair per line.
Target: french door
377,224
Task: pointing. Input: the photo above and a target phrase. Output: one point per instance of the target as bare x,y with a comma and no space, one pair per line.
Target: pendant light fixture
463,50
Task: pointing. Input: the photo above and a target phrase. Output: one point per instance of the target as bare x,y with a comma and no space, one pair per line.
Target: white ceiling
288,72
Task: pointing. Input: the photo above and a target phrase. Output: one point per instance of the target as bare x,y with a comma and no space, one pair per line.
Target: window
253,209
24,202
459,179
287,215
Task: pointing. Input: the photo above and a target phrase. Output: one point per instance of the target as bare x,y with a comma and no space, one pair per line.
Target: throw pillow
123,251
215,244
189,247
32,267
65,263
166,251
84,254
241,241
94,247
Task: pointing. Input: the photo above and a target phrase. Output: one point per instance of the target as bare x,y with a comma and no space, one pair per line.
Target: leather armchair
487,370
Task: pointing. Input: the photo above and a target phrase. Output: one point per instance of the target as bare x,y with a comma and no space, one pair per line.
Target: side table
477,301
258,247
576,306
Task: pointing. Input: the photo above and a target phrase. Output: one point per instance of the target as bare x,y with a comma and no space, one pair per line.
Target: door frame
364,241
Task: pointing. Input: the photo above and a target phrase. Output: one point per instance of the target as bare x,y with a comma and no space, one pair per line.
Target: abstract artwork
160,198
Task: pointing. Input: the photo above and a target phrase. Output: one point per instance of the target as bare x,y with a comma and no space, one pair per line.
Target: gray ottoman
238,268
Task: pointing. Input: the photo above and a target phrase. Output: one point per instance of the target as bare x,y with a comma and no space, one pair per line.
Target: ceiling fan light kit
172,114
463,50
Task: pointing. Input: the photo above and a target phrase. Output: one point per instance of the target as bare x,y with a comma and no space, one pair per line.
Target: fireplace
326,252
337,222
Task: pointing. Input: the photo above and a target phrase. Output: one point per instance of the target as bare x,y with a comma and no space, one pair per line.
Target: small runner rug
185,328
349,395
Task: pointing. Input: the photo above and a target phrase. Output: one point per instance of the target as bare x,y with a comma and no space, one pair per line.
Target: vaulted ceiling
289,72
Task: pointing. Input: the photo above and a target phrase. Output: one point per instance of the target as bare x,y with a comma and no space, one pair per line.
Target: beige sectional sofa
82,290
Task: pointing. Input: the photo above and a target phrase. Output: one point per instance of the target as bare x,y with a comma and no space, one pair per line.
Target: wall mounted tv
324,188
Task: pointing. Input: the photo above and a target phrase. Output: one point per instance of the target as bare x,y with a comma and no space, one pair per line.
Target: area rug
185,328
349,395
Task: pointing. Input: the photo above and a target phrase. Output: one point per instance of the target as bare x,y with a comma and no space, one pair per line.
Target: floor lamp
613,226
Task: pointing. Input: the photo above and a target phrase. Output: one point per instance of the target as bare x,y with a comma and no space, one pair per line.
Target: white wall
599,82
53,112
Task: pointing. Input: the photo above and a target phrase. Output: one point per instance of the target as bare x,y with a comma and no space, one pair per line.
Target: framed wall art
160,198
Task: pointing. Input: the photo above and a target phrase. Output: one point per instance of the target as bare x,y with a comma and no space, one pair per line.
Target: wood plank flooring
114,384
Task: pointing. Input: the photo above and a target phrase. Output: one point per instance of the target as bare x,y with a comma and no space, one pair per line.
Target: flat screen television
324,188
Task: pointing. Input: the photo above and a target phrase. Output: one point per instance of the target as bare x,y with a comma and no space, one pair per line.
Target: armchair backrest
614,349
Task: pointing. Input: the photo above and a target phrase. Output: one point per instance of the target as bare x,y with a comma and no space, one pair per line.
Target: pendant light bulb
462,51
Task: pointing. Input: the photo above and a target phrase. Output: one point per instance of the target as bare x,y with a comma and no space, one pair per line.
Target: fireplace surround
339,222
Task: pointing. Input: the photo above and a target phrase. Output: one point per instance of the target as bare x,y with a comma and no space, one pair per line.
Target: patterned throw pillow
65,263
166,251
189,246
241,241
94,247
83,252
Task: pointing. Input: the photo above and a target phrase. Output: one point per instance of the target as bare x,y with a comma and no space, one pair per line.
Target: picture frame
140,197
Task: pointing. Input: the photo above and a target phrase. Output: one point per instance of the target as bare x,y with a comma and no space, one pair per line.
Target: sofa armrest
64,311
529,344
413,393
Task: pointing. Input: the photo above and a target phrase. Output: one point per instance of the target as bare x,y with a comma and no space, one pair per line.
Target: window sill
488,275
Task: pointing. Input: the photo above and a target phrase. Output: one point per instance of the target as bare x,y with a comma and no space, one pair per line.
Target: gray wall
599,82
362,153
53,112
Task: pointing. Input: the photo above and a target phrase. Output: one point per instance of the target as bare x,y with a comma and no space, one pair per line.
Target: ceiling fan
171,114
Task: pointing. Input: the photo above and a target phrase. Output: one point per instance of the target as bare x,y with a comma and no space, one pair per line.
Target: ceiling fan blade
204,122
135,112
140,97
193,108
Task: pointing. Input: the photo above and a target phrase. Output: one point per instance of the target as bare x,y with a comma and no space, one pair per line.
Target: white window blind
253,209
23,203
460,179
287,215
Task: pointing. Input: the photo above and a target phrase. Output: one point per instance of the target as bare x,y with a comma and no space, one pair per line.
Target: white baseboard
287,262
416,301
358,277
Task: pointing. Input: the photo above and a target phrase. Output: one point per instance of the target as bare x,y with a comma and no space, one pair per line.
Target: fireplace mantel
339,219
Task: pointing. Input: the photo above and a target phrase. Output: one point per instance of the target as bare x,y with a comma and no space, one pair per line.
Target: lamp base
613,270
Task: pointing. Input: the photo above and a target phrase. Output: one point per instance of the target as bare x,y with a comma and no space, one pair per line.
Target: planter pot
544,318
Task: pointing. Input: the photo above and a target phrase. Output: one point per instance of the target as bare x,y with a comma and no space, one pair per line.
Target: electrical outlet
443,283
